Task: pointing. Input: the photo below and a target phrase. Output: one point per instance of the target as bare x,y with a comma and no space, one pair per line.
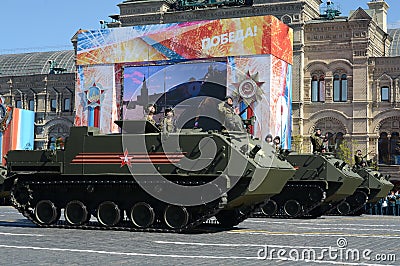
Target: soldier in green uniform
317,140
277,144
168,123
359,159
149,116
230,120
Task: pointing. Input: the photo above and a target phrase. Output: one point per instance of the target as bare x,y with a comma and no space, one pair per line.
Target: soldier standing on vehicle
317,140
230,120
359,159
168,123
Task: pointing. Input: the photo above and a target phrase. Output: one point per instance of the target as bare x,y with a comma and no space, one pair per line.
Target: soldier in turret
317,140
150,111
277,143
229,118
360,159
168,123
268,139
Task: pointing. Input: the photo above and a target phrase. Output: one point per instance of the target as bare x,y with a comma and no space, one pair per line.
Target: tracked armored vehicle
319,181
349,197
376,185
145,180
351,204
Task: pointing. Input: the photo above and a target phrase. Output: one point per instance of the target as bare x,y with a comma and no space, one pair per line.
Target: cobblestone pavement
365,240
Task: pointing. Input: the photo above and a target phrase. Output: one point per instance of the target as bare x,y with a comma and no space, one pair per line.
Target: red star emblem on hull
126,159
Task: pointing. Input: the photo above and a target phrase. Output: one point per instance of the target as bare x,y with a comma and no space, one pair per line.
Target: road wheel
176,217
292,208
76,213
108,213
142,215
46,212
270,208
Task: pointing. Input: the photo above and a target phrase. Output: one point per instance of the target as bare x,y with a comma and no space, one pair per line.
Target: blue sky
41,25
393,15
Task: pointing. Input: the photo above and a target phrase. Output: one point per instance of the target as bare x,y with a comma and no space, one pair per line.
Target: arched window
32,105
18,104
383,148
385,94
395,148
340,88
314,89
53,105
343,84
67,104
286,19
318,89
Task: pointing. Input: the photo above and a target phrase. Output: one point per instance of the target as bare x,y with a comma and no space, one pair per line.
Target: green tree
345,153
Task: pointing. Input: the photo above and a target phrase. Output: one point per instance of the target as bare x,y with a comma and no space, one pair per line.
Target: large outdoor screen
190,67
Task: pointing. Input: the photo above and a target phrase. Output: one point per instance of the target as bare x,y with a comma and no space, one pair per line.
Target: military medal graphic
249,88
249,92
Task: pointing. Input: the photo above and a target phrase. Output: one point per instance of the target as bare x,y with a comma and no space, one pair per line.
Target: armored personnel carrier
319,181
350,204
376,185
145,180
348,198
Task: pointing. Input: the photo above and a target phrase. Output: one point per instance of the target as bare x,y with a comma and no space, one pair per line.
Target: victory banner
122,70
190,40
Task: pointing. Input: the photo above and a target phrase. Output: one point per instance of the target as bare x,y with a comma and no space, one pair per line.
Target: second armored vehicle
377,186
320,180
